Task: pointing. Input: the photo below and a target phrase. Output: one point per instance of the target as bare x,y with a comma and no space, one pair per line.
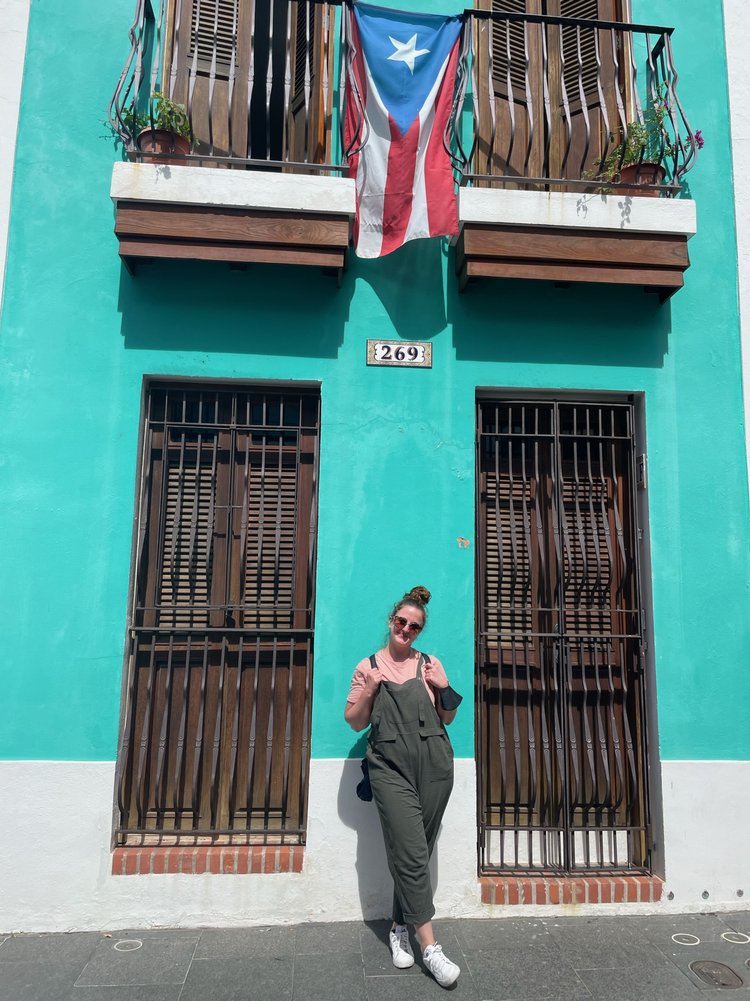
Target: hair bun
419,594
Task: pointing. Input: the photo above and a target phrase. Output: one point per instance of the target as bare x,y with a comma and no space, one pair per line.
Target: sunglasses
402,623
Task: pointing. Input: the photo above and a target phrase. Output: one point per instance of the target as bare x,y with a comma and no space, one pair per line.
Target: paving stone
133,993
521,975
25,980
659,928
592,944
73,946
665,983
738,921
329,978
266,979
732,955
420,988
159,960
246,943
316,939
480,935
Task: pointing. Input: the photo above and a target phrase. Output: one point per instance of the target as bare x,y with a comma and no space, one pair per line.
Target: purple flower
698,139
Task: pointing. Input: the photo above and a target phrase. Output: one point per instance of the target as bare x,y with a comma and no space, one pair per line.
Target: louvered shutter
579,51
509,576
190,503
587,554
214,24
269,578
509,48
207,66
310,106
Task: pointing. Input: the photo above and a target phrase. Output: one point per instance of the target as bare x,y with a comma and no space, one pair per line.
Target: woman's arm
446,715
357,714
435,675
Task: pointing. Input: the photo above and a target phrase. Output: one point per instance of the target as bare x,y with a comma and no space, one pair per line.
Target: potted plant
165,130
638,157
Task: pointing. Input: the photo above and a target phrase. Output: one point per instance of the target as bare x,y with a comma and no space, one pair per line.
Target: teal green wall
397,446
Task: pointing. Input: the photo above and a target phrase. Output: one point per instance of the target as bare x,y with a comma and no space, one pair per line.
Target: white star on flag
407,52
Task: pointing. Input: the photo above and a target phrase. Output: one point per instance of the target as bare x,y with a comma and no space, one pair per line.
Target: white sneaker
442,969
403,957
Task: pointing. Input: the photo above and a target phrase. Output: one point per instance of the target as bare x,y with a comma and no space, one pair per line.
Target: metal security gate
218,676
561,722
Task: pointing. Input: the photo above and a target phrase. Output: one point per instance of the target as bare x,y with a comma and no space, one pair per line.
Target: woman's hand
435,675
357,714
372,681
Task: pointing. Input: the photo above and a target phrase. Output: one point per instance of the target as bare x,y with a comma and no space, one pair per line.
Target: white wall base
55,855
706,825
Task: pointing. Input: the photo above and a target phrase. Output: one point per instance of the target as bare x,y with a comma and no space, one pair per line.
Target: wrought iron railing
558,102
587,103
252,81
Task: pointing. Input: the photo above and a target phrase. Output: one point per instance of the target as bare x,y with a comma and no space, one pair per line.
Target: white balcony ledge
238,216
574,237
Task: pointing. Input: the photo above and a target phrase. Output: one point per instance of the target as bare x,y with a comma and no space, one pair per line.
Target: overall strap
373,662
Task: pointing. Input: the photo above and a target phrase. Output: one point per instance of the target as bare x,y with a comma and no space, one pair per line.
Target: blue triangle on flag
404,52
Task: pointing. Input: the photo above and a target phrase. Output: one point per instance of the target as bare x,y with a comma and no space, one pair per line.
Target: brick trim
505,890
195,860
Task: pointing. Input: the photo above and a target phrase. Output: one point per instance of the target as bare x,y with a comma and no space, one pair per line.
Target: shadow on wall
373,878
205,306
516,321
409,284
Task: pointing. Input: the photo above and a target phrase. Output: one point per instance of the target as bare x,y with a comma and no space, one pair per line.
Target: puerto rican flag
401,94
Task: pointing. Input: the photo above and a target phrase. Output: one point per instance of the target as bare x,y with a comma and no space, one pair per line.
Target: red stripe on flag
442,210
352,115
399,185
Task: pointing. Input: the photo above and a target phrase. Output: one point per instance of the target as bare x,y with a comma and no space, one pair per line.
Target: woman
400,693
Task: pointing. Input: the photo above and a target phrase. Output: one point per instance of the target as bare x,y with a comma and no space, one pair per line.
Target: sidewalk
510,959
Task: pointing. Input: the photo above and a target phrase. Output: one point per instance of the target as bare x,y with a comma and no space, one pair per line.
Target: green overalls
410,759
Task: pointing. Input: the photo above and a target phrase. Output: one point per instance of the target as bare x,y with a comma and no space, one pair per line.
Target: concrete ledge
248,189
575,210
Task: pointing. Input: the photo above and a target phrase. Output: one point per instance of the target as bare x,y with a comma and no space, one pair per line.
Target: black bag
449,698
364,789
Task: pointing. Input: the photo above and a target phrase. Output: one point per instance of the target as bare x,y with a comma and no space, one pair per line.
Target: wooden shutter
270,554
213,24
208,62
186,573
523,139
310,107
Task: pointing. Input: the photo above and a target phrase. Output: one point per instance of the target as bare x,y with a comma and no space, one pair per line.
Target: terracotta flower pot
641,173
164,142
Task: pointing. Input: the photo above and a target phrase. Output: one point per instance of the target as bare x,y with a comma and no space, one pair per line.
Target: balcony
570,151
260,178
580,146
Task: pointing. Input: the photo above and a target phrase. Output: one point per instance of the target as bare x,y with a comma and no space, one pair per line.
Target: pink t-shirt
398,671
